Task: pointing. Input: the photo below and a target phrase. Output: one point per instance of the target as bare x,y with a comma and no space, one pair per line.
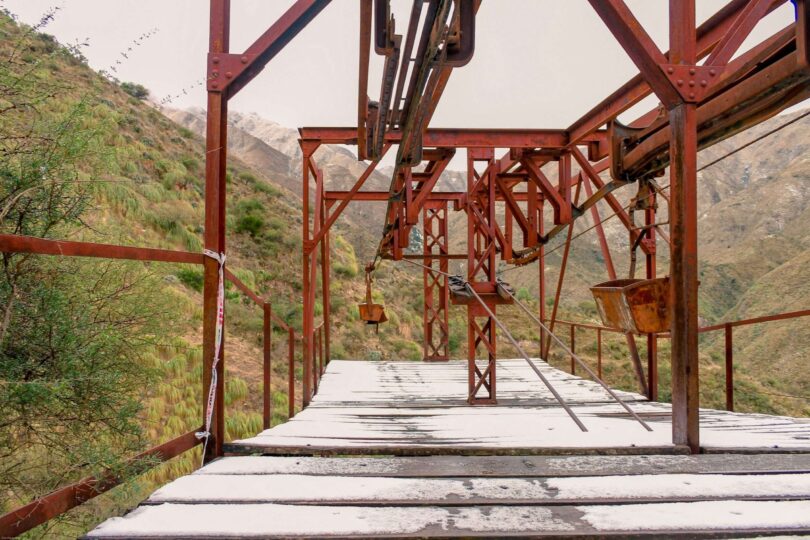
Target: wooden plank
248,449
380,490
276,520
510,466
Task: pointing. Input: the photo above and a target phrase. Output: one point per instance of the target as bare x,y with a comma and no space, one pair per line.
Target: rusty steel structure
707,93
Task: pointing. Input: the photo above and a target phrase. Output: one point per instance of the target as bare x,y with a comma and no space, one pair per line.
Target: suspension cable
515,344
578,360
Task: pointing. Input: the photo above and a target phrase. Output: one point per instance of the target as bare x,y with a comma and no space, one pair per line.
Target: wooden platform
401,408
408,408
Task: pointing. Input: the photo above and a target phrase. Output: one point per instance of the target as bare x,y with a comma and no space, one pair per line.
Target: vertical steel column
308,280
652,340
481,274
683,232
541,271
216,142
326,279
436,292
267,347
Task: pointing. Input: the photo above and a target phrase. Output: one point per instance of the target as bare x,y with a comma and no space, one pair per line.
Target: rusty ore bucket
372,313
638,306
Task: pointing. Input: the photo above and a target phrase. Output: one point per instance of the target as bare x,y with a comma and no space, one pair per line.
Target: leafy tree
74,334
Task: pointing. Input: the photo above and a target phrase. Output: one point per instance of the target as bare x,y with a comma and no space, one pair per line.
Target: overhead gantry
707,93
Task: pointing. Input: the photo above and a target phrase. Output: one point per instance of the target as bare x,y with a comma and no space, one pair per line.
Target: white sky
538,63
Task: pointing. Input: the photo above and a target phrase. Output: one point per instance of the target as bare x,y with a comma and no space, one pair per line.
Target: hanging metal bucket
372,313
638,306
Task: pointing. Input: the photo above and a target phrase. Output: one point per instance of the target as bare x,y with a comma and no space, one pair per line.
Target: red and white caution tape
212,390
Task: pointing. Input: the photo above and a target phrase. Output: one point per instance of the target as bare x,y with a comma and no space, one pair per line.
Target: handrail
247,291
63,499
727,328
13,243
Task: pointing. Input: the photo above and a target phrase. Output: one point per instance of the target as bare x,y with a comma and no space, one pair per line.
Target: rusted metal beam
12,243
229,73
636,89
60,501
762,94
216,145
639,46
362,84
459,137
683,232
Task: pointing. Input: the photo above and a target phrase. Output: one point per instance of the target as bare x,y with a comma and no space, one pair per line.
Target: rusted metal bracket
622,138
461,44
691,82
223,68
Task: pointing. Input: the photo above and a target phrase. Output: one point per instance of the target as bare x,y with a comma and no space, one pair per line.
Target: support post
436,291
541,271
729,368
481,274
308,279
290,373
683,233
651,264
599,352
267,346
573,346
326,280
216,142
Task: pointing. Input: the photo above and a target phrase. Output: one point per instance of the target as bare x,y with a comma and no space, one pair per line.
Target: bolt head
215,85
712,72
680,82
215,60
244,59
691,95
704,82
691,71
691,83
228,74
670,70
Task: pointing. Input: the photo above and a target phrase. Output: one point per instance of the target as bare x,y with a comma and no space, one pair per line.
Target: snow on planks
408,408
244,497
763,487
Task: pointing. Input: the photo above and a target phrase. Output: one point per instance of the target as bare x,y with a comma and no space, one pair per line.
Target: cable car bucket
370,312
636,306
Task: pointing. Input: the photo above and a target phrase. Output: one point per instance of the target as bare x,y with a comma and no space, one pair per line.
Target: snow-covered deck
757,482
418,408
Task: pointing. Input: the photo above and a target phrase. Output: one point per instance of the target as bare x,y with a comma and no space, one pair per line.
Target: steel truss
702,104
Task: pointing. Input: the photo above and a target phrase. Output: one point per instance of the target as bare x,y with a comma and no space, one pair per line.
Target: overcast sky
538,63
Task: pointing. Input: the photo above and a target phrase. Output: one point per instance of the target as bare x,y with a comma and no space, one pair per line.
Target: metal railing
63,499
726,327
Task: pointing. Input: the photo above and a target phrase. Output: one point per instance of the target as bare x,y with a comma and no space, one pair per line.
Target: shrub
191,278
138,91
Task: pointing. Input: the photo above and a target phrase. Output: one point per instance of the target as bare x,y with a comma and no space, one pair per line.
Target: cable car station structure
707,91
